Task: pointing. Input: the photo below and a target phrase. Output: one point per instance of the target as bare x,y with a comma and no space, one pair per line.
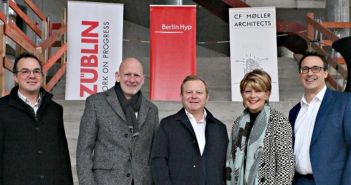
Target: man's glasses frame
314,69
27,72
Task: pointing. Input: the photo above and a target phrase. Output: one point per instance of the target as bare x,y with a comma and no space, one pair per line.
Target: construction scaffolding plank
8,64
25,18
56,78
55,57
326,32
35,9
54,37
336,24
17,35
2,17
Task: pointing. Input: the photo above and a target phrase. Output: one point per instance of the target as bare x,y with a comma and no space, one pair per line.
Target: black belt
307,176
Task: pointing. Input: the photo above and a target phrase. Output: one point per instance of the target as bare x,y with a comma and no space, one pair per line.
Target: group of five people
121,141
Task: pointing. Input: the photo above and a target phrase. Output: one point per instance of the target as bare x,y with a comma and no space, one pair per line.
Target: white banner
95,36
253,44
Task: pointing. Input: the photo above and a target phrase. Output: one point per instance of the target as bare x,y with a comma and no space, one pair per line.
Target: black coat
176,158
33,149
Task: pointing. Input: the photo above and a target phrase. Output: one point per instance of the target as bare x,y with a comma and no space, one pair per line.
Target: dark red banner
172,49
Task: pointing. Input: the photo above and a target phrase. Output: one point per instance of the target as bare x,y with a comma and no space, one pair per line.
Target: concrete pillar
339,10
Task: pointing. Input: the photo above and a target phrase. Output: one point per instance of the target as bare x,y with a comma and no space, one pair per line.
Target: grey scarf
243,156
129,108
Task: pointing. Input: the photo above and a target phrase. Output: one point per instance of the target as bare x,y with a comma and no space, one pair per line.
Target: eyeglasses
314,69
27,72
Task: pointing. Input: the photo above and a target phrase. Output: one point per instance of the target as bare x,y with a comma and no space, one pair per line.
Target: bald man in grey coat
116,132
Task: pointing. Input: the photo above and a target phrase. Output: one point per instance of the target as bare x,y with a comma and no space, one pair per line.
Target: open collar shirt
303,130
199,129
34,106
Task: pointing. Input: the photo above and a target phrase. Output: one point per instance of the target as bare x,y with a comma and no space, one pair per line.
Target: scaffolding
48,44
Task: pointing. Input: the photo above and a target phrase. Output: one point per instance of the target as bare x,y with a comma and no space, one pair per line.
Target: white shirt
199,129
303,130
35,106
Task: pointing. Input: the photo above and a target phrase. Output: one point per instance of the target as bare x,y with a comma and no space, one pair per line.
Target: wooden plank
336,24
327,43
326,32
25,18
55,26
53,37
56,78
339,60
35,9
2,17
17,35
8,64
310,28
2,41
52,60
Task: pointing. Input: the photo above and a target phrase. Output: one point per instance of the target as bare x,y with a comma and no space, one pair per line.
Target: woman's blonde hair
258,80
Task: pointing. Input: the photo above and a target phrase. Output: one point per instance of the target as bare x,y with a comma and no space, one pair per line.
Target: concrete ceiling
137,11
210,28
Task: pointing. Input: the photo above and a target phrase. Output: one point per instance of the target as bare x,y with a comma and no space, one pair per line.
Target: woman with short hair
260,148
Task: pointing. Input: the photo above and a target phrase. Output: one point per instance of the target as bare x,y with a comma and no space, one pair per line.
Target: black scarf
129,108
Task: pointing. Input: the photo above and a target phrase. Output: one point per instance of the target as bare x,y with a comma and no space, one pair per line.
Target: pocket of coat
106,165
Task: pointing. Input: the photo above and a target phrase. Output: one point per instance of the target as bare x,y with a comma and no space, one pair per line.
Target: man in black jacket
190,146
33,145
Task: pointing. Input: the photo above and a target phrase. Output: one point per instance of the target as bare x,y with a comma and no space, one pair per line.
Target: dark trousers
303,179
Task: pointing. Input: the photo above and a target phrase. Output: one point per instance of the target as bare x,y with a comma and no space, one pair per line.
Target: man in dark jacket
190,146
33,145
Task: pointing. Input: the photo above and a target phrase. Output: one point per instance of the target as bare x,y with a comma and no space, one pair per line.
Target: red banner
172,49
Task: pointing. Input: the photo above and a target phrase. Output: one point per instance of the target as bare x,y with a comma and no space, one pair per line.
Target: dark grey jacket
176,158
106,152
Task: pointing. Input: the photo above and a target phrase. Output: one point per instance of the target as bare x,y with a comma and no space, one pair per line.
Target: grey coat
106,152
